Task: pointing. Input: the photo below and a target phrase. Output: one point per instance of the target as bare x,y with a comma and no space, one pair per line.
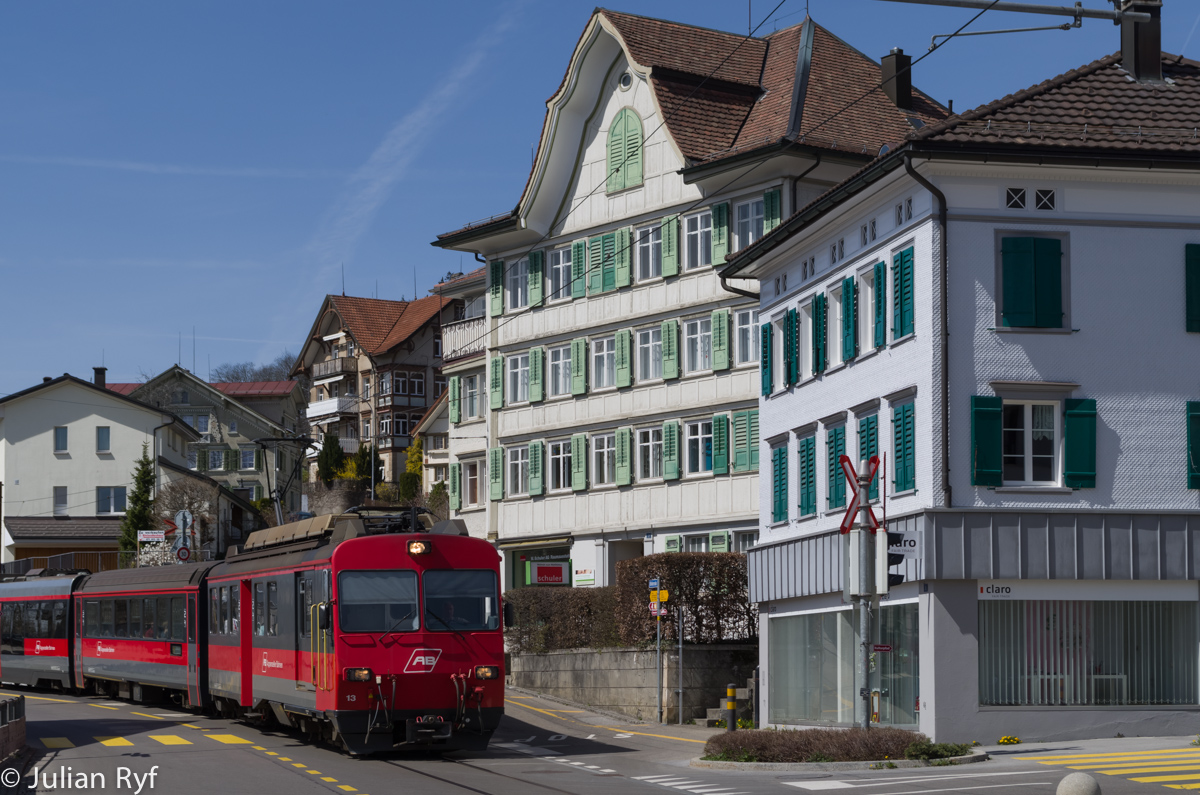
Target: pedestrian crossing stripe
169,739
1108,755
113,741
57,742
346,787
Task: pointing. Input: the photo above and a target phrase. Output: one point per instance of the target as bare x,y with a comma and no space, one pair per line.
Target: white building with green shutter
1001,307
622,377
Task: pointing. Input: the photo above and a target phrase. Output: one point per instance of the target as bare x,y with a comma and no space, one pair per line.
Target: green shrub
925,750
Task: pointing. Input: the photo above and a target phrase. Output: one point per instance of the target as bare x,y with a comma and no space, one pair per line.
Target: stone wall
12,732
340,496
626,680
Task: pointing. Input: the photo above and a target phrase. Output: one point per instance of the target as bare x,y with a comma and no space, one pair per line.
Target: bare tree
195,496
278,369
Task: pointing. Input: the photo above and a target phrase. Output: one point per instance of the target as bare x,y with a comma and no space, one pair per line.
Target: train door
305,653
320,629
77,650
193,657
246,643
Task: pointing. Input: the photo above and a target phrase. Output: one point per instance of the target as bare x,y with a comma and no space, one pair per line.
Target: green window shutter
880,305
624,456
791,341
808,476
1017,270
719,541
720,444
779,497
455,487
496,473
720,339
835,443
230,465
766,360
623,257
902,294
670,349
849,318
670,246
537,359
258,460
673,544
752,435
624,357
497,383
595,266
1047,286
1192,286
720,233
616,153
579,366
496,288
904,444
819,331
455,387
608,274
578,269
772,209
1079,448
536,480
201,460
741,449
868,445
670,432
579,462
537,263
986,435
1193,445
633,149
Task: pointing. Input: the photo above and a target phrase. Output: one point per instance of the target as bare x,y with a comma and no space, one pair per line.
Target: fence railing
463,337
69,561
346,364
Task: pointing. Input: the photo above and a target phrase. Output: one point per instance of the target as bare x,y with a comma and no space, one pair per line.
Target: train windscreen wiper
405,617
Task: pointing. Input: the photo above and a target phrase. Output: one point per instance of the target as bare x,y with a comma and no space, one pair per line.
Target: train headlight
358,674
418,547
487,671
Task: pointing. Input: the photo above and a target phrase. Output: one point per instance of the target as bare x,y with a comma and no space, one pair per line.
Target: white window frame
833,334
747,336
108,507
744,542
60,501
108,447
804,334
558,272
1027,442
202,423
695,543
749,229
385,425
778,337
439,385
516,283
66,439
470,485
604,459
648,248
559,371
866,311
604,362
416,384
517,480
697,345
559,470
219,457
471,395
400,383
649,443
401,424
697,228
695,460
247,453
437,346
649,354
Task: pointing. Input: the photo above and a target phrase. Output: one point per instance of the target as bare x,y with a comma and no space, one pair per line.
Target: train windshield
378,601
461,600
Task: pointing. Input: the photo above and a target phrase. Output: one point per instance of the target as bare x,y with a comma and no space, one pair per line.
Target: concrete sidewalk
583,714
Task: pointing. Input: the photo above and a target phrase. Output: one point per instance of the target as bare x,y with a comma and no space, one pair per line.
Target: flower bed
826,745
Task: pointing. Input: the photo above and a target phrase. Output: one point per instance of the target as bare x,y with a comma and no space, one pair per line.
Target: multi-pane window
748,220
699,446
110,499
604,362
60,439
192,458
696,543
470,401
604,459
698,240
560,273
103,436
744,542
748,337
518,285
385,425
402,424
439,385
518,470
470,483
649,453
416,384
247,458
560,464
648,242
649,353
401,383
698,344
233,426
202,422
216,459
560,370
1030,442
518,378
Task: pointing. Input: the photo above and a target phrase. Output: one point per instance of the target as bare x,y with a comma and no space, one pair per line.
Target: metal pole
731,707
756,692
680,630
865,582
1036,8
658,624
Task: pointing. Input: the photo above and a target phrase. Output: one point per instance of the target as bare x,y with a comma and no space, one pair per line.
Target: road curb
749,767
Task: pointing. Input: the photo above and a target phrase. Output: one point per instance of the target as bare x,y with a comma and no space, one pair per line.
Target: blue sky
165,166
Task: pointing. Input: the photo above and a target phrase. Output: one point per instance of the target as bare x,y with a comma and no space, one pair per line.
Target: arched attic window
625,151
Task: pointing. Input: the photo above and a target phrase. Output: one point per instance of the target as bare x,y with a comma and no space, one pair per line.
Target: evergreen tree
330,459
363,459
139,509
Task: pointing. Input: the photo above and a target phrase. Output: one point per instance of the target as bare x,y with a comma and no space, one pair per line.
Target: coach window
223,614
135,618
106,618
214,611
190,620
260,608
91,615
6,628
163,614
234,598
178,619
378,601
148,618
120,618
272,609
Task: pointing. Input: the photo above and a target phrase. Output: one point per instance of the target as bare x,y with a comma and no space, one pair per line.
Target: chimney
897,78
46,379
1141,42
98,380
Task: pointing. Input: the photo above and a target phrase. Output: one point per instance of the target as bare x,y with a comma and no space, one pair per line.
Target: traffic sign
882,647
151,535
662,611
654,608
183,520
659,596
183,554
654,584
852,507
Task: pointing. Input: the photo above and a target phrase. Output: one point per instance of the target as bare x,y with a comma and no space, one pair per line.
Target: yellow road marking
113,741
330,780
313,772
1124,761
170,739
57,742
1153,779
42,698
259,748
1102,756
191,726
346,787
145,715
1182,786
101,706
270,753
567,711
299,764
229,739
285,759
1155,769
610,728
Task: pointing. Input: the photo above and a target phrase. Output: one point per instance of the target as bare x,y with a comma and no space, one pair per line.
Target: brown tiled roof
1097,106
62,528
380,325
687,48
475,274
256,388
122,389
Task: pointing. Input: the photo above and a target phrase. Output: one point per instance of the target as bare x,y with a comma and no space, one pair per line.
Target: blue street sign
654,584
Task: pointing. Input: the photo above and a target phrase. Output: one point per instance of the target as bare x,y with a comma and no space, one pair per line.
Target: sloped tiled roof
58,528
475,274
122,389
379,325
1097,106
256,388
687,48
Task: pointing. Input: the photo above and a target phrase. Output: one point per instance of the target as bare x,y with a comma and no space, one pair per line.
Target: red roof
122,389
379,325
257,388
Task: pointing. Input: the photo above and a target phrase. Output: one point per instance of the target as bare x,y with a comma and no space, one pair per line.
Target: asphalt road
542,747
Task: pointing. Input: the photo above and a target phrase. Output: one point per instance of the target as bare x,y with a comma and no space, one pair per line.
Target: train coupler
427,729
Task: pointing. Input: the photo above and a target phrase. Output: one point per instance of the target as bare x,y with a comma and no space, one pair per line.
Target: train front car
35,618
418,646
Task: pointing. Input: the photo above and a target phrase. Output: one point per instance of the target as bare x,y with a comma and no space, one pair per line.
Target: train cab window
272,609
163,614
178,619
135,618
58,620
214,610
260,608
223,614
106,618
234,615
461,600
91,617
148,623
378,601
120,618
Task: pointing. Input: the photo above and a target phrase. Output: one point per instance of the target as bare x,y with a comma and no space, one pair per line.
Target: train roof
44,587
187,575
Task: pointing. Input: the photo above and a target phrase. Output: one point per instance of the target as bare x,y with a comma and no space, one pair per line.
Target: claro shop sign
1088,590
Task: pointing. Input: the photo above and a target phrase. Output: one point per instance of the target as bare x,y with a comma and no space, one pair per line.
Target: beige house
374,366
433,431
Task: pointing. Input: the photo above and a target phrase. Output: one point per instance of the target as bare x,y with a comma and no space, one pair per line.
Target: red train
336,626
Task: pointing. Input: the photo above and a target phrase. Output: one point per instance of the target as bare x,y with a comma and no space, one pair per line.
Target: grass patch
817,745
925,750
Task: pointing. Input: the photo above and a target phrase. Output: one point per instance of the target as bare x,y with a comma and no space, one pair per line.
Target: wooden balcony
346,364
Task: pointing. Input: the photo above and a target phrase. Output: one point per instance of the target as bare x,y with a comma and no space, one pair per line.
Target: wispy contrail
168,169
371,185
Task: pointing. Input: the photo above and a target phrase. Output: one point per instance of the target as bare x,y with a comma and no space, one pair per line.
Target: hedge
813,745
549,619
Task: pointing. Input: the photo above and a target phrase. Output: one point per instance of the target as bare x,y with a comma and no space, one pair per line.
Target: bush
812,745
551,619
925,750
712,587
